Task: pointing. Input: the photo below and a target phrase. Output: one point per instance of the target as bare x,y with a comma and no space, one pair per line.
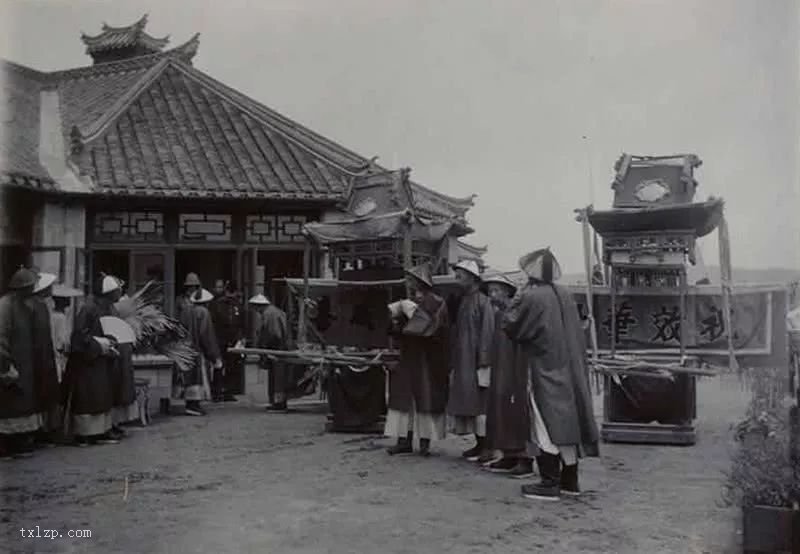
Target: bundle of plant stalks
155,331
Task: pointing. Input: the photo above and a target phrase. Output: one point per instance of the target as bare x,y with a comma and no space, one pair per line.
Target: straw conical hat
259,300
44,281
421,273
22,279
470,266
203,297
501,279
541,265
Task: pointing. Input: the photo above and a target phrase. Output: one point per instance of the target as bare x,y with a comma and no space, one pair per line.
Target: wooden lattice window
128,227
204,227
270,228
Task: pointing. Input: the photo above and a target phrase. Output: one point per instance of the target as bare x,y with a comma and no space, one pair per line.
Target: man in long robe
418,385
19,408
507,421
195,384
47,382
89,378
123,381
543,319
273,334
470,364
226,312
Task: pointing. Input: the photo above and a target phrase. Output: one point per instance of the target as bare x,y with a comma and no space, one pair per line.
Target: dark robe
543,320
471,340
123,383
422,371
89,373
197,321
273,334
18,398
47,385
507,419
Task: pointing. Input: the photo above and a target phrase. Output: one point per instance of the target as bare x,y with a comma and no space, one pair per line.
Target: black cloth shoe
106,438
523,469
569,480
117,433
549,487
503,465
403,446
22,446
278,407
424,447
193,408
475,452
486,457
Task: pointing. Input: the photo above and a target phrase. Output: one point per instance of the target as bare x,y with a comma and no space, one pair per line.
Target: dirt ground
242,480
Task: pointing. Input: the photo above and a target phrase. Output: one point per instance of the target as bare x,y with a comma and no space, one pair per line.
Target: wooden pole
408,256
682,309
301,319
587,256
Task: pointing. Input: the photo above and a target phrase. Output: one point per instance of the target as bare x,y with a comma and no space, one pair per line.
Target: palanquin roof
156,126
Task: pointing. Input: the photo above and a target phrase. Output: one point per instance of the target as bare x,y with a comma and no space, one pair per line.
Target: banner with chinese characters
652,322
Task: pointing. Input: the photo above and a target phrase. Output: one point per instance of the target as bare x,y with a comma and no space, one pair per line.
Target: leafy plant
765,468
155,331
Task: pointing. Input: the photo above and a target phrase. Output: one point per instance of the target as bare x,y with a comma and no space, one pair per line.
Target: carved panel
128,227
290,228
204,227
271,228
261,228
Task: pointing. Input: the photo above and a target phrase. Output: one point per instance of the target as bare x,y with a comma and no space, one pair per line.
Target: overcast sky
493,97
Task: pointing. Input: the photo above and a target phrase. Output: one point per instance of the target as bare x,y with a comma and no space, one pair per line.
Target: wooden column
613,284
301,319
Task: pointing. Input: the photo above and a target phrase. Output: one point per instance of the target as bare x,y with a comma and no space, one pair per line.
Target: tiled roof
155,125
19,117
122,37
172,133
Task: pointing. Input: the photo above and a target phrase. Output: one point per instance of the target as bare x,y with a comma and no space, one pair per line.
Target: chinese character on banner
625,321
713,326
668,324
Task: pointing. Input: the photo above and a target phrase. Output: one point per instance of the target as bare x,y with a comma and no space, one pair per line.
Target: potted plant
765,477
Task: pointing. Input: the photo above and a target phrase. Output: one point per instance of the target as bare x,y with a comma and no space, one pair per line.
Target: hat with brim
63,291
500,279
44,282
470,266
259,300
110,284
192,280
22,279
541,265
202,296
421,273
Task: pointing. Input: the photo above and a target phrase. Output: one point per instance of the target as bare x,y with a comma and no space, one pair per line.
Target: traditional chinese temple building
143,166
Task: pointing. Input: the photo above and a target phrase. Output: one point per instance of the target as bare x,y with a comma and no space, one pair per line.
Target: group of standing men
95,392
214,325
506,365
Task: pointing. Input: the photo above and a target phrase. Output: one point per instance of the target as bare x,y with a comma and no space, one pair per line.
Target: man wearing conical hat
89,378
507,422
472,335
47,384
195,385
418,385
273,333
19,411
543,320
